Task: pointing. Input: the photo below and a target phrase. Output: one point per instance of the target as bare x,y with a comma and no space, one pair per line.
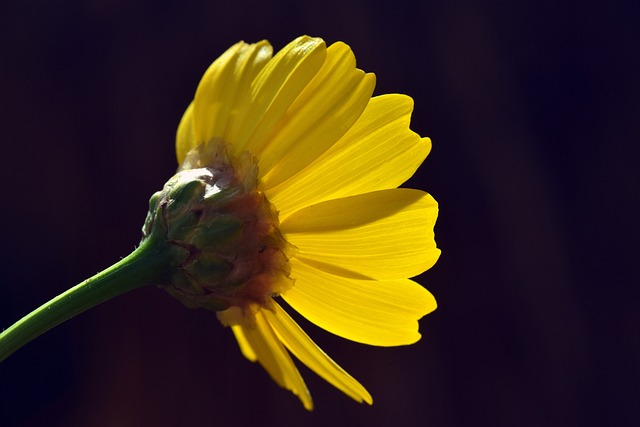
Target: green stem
148,263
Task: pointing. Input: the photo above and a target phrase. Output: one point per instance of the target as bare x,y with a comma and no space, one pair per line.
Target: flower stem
148,263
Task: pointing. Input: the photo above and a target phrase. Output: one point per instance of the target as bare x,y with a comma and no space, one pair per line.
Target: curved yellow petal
378,152
185,140
271,93
383,313
223,84
216,99
245,347
260,341
302,347
386,234
326,108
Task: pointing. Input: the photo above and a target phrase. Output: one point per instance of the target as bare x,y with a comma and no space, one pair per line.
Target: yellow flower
330,159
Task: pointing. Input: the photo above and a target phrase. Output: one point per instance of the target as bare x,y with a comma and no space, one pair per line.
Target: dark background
533,108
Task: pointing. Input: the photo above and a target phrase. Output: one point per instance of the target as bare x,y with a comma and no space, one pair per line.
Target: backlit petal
299,343
378,152
223,84
245,347
382,313
272,92
326,108
301,127
185,140
268,350
385,235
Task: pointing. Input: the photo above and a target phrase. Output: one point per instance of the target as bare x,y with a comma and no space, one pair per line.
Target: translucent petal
378,152
302,347
271,93
223,84
386,234
382,313
235,318
185,140
326,108
216,99
245,347
274,348
258,339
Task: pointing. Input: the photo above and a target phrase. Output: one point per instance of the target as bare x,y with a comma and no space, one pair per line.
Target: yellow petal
326,108
299,343
386,234
245,347
263,344
185,140
223,84
271,93
382,313
235,318
378,152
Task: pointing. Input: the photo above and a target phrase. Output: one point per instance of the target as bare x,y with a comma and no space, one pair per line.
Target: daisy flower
310,163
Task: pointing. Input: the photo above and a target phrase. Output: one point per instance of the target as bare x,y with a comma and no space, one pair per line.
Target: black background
533,108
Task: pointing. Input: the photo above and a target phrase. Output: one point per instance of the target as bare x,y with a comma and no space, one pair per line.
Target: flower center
213,209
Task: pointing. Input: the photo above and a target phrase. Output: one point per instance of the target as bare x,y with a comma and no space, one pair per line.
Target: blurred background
533,108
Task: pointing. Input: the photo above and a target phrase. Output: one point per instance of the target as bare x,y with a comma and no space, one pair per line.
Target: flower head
319,162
